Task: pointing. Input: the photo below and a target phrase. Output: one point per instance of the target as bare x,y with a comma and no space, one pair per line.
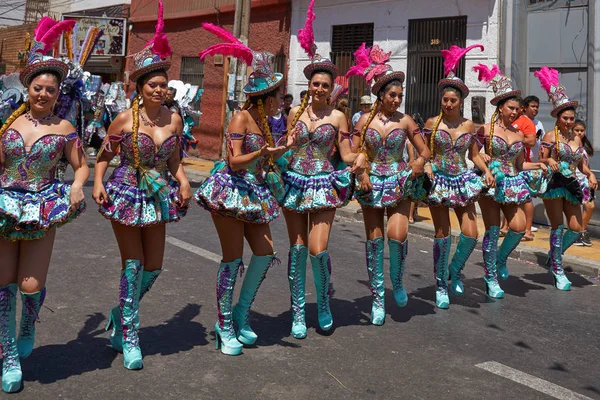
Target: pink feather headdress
306,35
232,46
370,62
46,34
160,43
500,83
453,55
556,93
485,73
548,78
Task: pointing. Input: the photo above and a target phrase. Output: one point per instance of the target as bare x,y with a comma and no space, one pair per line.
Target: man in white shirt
365,107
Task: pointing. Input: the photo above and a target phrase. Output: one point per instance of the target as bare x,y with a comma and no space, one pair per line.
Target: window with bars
279,63
192,71
345,40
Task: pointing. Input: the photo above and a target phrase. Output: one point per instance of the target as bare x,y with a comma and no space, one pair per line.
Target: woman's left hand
418,167
76,197
185,194
360,164
543,167
490,181
593,181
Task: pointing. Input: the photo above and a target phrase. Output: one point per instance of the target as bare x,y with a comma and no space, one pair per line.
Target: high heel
255,274
321,268
374,253
490,250
509,244
32,303
398,252
131,280
224,332
465,247
12,377
297,281
441,253
561,282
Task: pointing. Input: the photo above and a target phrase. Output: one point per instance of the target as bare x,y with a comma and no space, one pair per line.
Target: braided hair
433,132
492,123
265,129
15,114
300,111
363,131
135,112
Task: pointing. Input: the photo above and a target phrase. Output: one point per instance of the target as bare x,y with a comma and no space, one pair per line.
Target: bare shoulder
430,122
469,125
65,127
549,137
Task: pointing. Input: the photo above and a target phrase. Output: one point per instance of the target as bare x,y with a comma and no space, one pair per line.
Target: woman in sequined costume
141,196
383,134
589,195
33,202
455,185
238,193
314,188
562,151
516,180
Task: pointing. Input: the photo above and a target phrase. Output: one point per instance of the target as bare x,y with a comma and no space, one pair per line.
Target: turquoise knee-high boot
297,280
465,247
441,254
32,302
561,281
490,251
398,252
374,252
255,274
224,332
11,366
131,282
321,269
509,243
569,238
114,317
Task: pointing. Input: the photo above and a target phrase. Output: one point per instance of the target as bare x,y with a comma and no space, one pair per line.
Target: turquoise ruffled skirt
519,189
451,190
387,191
314,193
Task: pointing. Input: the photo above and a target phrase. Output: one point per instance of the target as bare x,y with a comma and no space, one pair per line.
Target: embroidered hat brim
381,82
507,95
163,65
51,65
262,86
569,104
456,84
321,66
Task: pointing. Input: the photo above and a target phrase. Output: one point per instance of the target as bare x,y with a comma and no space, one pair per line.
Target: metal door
426,39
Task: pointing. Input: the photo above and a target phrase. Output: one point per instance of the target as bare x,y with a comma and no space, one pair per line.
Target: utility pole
237,70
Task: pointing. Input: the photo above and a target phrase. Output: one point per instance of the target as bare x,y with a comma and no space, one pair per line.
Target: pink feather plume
306,35
160,42
53,34
485,73
453,55
43,26
548,77
234,47
362,60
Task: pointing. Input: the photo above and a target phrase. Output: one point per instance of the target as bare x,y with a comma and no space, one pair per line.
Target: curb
535,256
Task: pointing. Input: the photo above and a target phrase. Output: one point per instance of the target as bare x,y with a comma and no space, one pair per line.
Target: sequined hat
46,34
306,38
556,93
262,79
500,83
371,63
155,55
452,57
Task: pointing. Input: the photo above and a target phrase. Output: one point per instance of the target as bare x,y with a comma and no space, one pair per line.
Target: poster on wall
111,43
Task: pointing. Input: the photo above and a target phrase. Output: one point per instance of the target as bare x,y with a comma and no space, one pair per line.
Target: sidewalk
583,260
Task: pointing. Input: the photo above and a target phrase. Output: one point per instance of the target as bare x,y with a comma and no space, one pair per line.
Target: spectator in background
531,106
302,95
342,105
277,125
365,108
288,99
588,193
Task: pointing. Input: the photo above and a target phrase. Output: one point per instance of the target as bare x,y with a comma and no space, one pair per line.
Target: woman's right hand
99,194
485,157
429,171
552,164
364,183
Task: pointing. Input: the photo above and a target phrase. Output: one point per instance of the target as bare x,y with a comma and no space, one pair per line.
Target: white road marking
194,249
549,388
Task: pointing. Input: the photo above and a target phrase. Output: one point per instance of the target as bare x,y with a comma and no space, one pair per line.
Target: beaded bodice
251,142
385,153
314,149
507,154
566,153
33,169
450,156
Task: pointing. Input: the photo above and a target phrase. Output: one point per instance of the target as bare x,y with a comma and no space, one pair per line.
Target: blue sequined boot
569,238
32,302
398,252
297,280
321,269
561,282
131,282
224,332
11,366
490,251
465,247
509,243
441,254
374,252
114,317
255,274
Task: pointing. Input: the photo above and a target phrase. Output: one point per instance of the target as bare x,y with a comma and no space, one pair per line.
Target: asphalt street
537,342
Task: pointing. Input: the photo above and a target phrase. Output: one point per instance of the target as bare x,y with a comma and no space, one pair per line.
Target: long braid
556,140
363,132
492,123
434,131
265,128
247,104
15,114
135,111
300,111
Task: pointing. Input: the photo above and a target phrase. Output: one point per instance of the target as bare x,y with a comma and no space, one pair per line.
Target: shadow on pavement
91,350
545,278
